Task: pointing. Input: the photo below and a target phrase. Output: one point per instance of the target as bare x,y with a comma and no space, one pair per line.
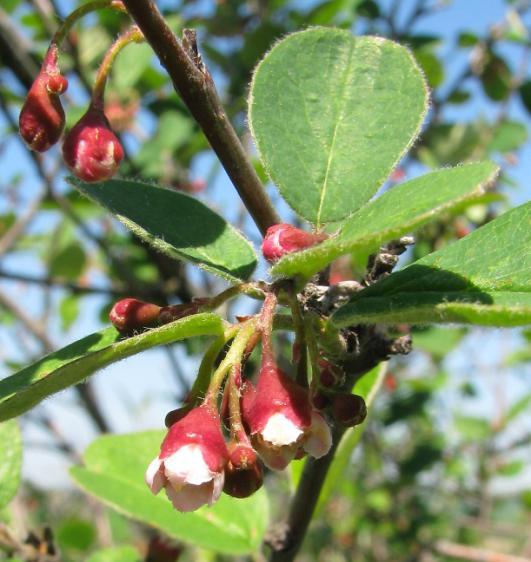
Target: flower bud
128,315
282,239
349,409
320,400
42,118
331,375
243,473
192,460
91,150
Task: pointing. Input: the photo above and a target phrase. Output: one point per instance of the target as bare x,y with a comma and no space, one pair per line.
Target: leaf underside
176,225
73,363
484,278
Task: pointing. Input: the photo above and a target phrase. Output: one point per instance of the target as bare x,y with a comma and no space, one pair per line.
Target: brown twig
195,86
464,552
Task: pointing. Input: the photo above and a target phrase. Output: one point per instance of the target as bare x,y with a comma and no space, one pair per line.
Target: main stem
196,88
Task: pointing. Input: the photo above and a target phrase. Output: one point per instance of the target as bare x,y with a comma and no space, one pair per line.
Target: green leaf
398,211
116,554
69,262
68,311
508,136
10,461
72,364
331,115
438,341
175,224
130,65
484,278
519,407
114,473
473,428
75,534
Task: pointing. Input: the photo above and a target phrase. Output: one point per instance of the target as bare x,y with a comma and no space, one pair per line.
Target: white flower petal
155,476
279,430
187,466
190,497
320,438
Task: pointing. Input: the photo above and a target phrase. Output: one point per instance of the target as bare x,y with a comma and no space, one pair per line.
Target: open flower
42,118
192,459
281,420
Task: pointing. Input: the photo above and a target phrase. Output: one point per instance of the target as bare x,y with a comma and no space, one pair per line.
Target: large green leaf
10,461
72,364
175,224
331,115
114,473
116,554
397,212
484,278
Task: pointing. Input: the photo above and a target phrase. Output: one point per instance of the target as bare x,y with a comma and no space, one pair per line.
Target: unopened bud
42,118
128,315
282,239
331,375
243,473
320,400
349,409
91,150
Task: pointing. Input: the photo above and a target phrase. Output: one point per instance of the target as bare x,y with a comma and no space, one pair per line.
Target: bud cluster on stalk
90,149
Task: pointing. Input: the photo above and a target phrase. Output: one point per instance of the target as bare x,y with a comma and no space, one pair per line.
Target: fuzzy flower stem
132,35
249,289
78,13
233,357
236,425
300,338
266,325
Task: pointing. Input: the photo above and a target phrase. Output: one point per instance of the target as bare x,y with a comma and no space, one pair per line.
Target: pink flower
281,420
91,150
191,463
42,118
282,239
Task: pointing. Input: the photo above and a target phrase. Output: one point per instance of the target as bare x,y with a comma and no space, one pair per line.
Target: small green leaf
398,211
114,473
68,311
484,278
519,407
130,65
116,554
473,428
331,115
175,224
72,364
438,341
10,461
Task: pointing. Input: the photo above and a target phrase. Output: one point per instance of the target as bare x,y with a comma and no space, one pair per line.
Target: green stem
132,35
204,375
233,357
237,430
300,339
249,289
78,13
313,348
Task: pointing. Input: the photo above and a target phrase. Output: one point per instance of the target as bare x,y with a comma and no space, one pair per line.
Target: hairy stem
195,86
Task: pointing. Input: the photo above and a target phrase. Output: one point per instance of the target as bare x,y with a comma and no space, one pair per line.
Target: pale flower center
187,466
280,431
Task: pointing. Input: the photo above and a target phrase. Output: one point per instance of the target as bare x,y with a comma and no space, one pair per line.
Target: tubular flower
282,239
91,150
281,420
192,460
42,118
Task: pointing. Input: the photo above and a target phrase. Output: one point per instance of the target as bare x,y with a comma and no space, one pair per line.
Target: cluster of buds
271,421
91,149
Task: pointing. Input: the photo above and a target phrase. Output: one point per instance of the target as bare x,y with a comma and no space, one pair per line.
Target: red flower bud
192,460
349,409
320,401
243,473
42,118
91,150
128,315
282,239
331,375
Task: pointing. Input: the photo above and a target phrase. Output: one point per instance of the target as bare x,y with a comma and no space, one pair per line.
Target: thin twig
465,552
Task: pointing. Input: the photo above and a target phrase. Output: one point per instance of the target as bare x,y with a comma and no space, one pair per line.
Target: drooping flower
282,239
281,420
42,118
192,460
91,150
243,473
